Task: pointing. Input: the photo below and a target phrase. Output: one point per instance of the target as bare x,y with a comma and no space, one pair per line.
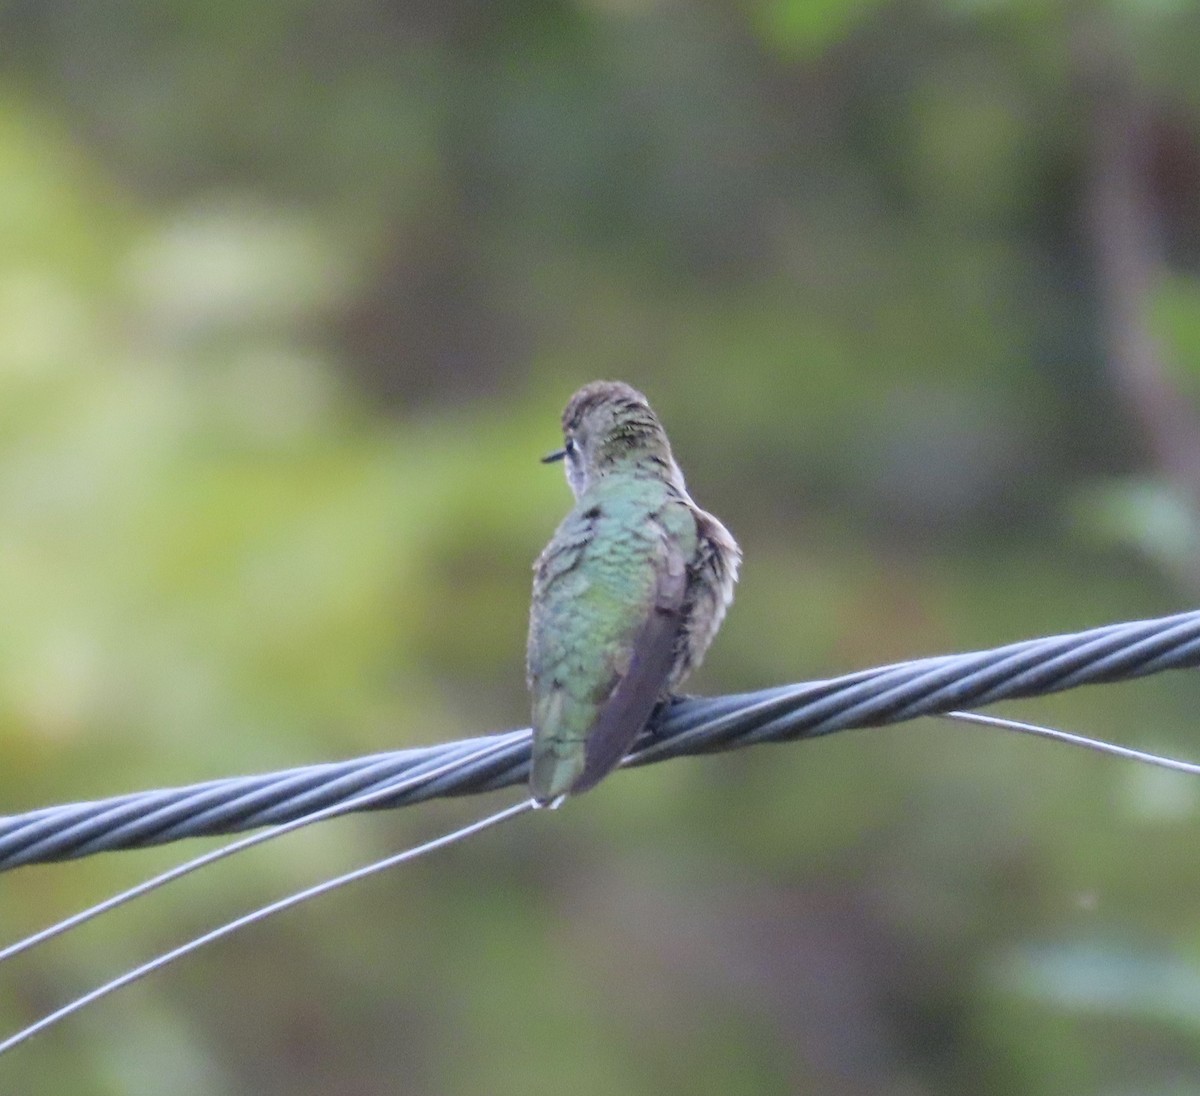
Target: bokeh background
291,296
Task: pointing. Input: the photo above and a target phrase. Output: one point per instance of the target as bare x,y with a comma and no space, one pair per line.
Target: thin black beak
557,455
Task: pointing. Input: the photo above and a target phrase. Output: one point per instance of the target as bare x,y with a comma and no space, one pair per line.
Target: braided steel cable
692,725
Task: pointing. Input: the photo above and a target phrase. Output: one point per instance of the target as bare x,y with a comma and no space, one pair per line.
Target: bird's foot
658,716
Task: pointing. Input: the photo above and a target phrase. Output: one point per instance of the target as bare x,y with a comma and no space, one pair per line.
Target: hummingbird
627,596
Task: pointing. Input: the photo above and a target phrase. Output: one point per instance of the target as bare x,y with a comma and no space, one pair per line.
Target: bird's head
608,428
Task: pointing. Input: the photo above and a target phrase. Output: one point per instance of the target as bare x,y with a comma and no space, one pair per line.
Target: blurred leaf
807,27
1175,317
1148,515
1109,979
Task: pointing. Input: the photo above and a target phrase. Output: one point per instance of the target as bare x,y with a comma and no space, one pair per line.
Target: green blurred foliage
291,296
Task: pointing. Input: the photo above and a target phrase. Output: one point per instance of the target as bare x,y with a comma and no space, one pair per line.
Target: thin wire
868,698
356,803
361,801
1099,745
297,898
260,914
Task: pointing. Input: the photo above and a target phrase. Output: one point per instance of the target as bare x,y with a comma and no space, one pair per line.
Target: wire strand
166,958
359,802
362,801
867,698
254,916
1098,745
